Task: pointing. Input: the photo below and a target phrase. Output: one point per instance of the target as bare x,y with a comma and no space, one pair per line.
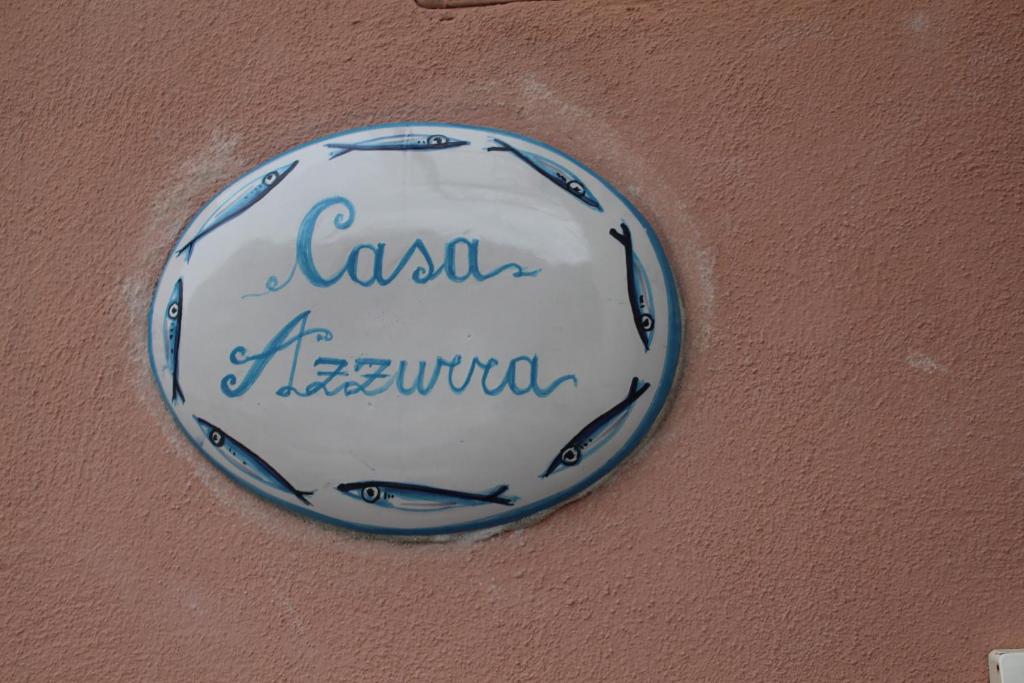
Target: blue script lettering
373,376
459,262
289,335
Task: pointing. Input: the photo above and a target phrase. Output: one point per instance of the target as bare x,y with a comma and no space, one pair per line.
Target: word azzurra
373,376
460,260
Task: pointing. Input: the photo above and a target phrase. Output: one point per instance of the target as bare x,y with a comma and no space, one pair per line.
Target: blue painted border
661,394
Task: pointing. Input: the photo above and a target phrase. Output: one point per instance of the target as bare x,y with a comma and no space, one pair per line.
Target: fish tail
187,250
494,495
502,146
302,495
624,238
637,388
338,149
176,394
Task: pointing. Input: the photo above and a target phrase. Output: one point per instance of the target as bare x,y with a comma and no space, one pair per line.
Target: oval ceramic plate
417,328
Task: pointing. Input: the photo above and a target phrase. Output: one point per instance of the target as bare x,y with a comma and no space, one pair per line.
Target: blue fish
419,498
553,171
638,286
399,143
237,204
598,432
172,339
248,462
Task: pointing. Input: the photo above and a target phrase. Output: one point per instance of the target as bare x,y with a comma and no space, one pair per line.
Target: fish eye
371,494
576,187
270,178
216,438
570,455
435,140
646,322
173,310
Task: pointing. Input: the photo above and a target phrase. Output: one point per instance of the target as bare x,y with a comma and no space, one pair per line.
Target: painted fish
419,498
556,173
172,339
237,204
398,143
598,432
247,461
638,287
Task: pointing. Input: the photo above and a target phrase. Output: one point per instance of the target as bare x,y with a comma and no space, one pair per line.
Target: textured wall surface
839,482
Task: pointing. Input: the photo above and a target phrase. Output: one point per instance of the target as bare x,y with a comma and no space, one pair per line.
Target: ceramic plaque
417,328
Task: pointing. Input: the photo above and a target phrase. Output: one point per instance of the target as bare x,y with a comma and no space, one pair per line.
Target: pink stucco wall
838,486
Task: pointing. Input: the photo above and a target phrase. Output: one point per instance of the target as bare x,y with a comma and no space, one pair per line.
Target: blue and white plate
417,329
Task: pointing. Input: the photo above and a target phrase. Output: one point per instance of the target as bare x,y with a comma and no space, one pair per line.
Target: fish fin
301,495
637,389
176,394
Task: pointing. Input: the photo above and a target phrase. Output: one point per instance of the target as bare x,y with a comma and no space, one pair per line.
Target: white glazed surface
574,314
